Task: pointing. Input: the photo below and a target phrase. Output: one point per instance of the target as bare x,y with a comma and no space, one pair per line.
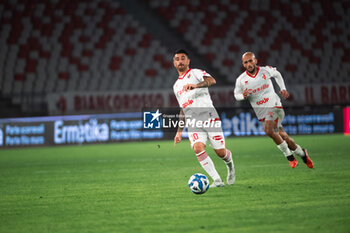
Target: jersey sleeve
200,74
277,75
238,90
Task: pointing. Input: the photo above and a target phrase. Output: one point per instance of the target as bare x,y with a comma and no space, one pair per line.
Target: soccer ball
198,183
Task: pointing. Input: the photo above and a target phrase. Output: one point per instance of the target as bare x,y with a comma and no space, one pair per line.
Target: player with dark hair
192,93
255,85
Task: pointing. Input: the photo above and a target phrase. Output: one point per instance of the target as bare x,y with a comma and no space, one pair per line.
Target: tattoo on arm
208,81
205,83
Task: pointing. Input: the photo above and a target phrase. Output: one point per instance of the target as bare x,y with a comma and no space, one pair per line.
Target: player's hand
284,94
177,138
245,94
188,87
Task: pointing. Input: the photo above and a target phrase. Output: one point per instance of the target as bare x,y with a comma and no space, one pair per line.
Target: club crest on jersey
264,76
189,76
246,82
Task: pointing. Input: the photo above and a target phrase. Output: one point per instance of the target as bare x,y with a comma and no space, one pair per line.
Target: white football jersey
260,87
261,91
196,98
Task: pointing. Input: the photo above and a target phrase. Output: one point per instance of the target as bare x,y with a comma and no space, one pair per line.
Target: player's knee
269,131
221,152
284,136
198,148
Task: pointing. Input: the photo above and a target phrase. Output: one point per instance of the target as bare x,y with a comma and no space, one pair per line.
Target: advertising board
122,127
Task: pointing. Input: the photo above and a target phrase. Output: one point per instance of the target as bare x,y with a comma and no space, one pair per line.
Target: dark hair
181,51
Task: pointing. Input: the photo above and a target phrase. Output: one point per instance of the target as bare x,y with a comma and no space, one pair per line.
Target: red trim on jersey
184,74
255,73
278,107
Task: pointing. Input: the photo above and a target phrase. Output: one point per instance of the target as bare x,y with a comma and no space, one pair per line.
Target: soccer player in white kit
255,85
191,91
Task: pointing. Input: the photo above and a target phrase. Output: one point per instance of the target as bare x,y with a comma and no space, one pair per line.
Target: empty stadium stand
58,46
307,40
97,45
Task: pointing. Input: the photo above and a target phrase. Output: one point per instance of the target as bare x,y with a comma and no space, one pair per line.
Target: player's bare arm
178,135
208,81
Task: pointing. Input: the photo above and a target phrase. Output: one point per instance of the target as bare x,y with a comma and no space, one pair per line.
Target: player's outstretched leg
226,155
285,150
307,160
296,149
207,164
281,144
302,153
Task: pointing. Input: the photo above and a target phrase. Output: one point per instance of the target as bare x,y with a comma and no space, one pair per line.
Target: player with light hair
256,86
192,93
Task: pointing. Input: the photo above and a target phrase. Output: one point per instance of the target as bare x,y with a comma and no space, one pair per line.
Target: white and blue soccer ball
198,183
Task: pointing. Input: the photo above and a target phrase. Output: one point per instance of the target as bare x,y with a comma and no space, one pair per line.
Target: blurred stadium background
61,57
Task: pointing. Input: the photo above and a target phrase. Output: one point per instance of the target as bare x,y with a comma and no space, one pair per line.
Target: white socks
284,148
231,176
228,160
228,157
208,165
298,151
286,151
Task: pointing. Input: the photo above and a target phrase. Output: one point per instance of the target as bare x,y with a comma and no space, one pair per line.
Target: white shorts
273,114
202,134
216,139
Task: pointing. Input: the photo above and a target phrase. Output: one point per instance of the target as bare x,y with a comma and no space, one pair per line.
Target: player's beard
181,68
253,70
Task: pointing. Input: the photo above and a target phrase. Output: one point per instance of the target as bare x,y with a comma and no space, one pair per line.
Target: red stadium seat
93,45
271,27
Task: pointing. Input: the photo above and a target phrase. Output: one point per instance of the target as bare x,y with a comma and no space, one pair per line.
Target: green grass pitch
142,187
